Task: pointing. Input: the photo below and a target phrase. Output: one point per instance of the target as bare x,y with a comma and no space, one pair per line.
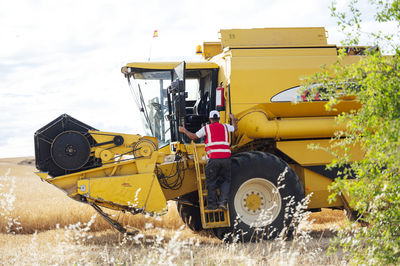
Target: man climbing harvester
218,168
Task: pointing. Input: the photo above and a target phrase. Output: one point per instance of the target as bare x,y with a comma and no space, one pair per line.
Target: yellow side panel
138,191
188,183
266,76
324,51
318,186
299,151
211,49
273,37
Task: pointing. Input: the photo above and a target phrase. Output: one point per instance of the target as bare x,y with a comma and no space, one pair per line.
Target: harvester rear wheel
259,197
189,214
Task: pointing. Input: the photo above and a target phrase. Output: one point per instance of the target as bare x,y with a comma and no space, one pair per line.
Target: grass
53,231
41,206
107,247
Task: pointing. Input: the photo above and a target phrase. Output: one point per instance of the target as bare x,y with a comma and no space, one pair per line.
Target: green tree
375,82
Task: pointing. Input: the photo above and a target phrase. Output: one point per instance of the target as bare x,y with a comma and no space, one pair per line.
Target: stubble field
39,224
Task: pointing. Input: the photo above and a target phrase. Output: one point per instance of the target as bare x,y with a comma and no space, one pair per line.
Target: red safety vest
217,141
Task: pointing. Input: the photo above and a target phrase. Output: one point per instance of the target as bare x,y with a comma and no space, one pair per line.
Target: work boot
222,206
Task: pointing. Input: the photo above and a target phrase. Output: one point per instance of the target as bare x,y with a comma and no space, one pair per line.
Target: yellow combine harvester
253,73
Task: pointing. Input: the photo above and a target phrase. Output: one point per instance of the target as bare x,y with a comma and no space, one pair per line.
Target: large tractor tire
190,214
258,200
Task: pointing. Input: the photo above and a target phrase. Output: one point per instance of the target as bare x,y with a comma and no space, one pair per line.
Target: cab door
176,101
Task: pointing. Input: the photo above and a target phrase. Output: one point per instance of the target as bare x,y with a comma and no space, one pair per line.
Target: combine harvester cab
254,74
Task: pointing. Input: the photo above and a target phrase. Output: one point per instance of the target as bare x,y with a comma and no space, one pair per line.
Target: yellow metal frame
107,151
139,191
211,49
209,218
118,185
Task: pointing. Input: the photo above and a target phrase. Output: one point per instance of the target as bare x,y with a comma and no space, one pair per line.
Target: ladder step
217,210
217,218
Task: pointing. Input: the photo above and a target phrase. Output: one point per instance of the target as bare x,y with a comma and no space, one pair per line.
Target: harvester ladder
209,218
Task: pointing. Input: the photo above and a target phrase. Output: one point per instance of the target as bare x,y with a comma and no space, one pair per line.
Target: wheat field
39,224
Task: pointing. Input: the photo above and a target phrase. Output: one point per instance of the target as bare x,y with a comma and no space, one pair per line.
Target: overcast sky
65,56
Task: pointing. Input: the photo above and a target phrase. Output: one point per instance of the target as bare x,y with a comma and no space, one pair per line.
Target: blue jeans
218,175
